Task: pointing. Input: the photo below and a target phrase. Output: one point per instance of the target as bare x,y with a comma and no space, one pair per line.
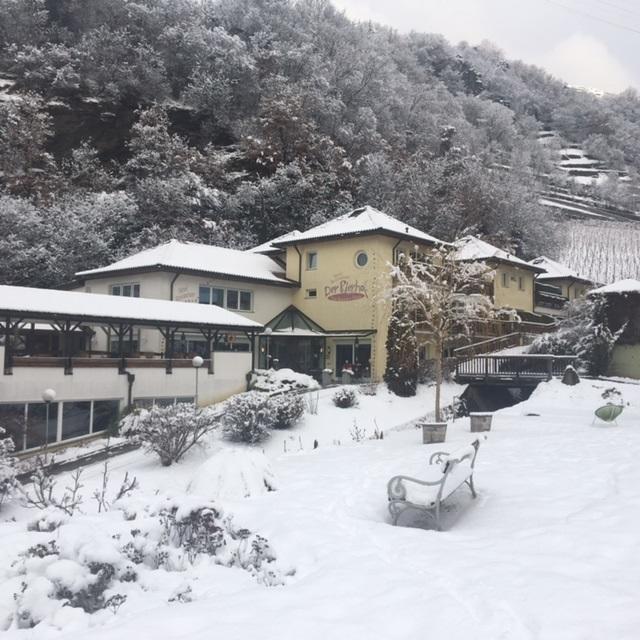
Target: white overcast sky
569,38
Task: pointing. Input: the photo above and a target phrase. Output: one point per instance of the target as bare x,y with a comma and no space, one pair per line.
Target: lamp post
48,396
197,362
267,332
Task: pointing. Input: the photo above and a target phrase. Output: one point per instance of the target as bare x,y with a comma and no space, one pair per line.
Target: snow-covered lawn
549,550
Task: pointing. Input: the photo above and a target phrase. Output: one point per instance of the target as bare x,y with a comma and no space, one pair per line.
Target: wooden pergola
68,312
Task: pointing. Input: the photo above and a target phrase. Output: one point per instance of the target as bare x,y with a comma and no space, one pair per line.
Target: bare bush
171,431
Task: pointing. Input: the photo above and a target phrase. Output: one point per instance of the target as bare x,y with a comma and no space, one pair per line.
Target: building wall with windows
90,400
513,288
257,301
343,287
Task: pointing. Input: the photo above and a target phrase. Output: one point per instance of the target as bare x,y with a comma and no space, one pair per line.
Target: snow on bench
446,473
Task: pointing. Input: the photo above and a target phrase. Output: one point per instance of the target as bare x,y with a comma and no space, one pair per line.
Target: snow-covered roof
365,220
555,270
201,258
472,248
268,247
621,286
27,303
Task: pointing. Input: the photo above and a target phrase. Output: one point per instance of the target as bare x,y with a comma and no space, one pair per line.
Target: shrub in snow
288,408
49,519
43,493
273,380
53,579
248,417
312,401
8,469
89,568
583,333
345,398
171,431
233,474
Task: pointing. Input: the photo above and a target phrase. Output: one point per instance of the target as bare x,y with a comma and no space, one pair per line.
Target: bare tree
440,298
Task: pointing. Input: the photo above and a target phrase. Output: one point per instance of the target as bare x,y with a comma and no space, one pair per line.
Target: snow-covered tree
441,299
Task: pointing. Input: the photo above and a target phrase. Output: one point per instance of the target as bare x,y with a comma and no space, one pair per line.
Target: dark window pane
245,300
76,419
217,297
204,295
106,413
115,291
164,402
37,424
232,298
138,403
136,290
126,290
187,400
12,420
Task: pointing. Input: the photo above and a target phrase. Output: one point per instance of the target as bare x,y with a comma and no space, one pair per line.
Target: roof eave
355,234
82,276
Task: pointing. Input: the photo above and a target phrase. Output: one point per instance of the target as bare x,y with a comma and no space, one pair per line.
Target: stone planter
480,422
433,432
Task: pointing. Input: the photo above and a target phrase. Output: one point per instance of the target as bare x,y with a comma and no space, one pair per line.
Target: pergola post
208,334
168,334
8,347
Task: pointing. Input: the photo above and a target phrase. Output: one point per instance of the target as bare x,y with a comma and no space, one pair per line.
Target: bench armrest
396,490
437,457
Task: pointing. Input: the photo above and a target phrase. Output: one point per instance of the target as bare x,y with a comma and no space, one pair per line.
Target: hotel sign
345,290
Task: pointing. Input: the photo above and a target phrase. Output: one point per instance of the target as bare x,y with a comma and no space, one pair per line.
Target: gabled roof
621,286
30,303
471,248
197,258
363,221
556,270
269,248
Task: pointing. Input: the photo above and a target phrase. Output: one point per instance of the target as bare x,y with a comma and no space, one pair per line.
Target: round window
362,258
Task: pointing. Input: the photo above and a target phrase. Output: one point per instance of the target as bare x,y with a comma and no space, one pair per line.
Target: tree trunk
438,382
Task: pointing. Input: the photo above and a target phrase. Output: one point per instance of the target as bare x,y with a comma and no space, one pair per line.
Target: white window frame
312,257
120,285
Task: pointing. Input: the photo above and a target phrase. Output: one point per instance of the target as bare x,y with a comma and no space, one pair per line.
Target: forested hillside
124,123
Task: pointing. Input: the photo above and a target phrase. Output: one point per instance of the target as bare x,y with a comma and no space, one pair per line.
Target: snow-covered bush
42,492
233,474
95,564
248,417
583,333
345,398
8,469
274,380
170,431
288,409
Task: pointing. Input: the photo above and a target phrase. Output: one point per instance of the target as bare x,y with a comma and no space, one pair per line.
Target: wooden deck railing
517,368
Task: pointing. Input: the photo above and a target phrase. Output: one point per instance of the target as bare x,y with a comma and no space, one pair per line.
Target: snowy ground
549,550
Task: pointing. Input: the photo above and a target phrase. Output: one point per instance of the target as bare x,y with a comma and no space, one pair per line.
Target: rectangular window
12,419
505,280
37,432
129,290
312,260
312,293
217,297
521,283
204,295
76,419
105,414
232,298
245,301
